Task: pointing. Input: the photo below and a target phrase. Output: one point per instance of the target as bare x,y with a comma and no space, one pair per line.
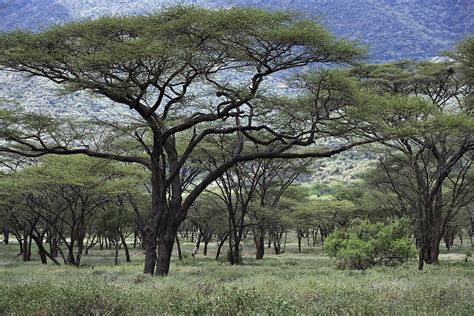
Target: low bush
364,244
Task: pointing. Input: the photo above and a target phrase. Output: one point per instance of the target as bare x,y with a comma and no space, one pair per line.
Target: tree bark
165,247
206,243
26,248
220,244
260,246
125,247
178,246
6,235
150,243
116,246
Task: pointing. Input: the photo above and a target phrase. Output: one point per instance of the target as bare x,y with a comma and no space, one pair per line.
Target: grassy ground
287,284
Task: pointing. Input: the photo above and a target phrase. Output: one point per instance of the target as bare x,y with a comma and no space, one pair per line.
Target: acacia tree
187,73
435,150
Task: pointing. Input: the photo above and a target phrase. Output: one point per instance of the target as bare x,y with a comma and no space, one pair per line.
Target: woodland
250,162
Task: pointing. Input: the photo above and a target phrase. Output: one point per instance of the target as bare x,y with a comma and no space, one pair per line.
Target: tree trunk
277,247
80,249
206,242
71,260
165,247
125,247
41,250
431,251
198,243
221,242
234,255
178,246
135,239
26,248
30,242
322,239
101,242
116,246
300,237
260,246
6,235
150,243
20,242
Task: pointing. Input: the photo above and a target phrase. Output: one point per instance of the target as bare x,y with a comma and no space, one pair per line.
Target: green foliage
364,245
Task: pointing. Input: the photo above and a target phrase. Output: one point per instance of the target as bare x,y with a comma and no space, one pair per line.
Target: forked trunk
220,243
125,246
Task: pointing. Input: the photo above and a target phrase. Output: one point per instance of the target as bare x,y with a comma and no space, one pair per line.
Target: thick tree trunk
431,251
234,255
71,260
6,235
165,248
260,246
150,243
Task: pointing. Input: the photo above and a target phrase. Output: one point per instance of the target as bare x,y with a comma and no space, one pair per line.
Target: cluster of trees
212,135
72,205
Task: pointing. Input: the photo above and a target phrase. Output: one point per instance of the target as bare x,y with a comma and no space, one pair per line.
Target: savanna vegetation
210,176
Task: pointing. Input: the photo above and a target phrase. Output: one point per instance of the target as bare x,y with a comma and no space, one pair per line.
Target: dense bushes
364,244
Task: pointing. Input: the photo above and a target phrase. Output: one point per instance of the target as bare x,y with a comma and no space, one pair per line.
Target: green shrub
364,244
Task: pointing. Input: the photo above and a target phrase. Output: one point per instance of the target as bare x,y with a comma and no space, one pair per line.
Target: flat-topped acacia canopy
190,74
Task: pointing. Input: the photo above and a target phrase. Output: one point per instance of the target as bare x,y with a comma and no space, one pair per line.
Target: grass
291,283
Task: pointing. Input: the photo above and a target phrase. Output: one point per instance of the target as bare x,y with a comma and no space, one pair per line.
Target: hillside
392,29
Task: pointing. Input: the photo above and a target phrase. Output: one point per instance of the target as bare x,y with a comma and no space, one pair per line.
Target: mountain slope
392,29
31,14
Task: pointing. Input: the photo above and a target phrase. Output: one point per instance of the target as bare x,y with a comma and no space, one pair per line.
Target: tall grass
287,284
